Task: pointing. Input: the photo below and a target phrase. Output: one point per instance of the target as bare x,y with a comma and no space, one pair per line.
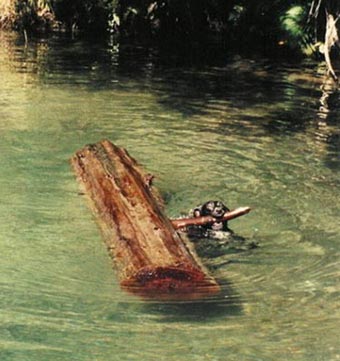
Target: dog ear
226,209
197,212
208,207
223,206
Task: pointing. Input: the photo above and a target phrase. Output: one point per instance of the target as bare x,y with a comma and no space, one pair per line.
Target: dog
216,238
216,209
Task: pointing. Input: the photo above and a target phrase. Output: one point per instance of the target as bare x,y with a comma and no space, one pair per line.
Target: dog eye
210,206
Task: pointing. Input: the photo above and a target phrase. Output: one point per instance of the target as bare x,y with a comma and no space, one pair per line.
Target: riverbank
264,25
27,16
7,14
189,29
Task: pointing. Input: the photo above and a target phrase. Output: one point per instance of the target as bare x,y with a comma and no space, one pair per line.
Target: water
251,132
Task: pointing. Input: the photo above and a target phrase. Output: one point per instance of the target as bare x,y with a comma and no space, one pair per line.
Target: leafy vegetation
292,25
26,14
91,16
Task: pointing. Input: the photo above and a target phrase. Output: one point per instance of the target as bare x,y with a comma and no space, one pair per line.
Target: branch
200,221
331,38
314,9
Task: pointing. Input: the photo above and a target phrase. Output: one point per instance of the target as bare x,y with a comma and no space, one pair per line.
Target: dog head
215,209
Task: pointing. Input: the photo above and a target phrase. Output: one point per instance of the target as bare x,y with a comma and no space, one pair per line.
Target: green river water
250,132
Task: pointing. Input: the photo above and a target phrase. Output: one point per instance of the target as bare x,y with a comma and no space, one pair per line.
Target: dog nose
219,212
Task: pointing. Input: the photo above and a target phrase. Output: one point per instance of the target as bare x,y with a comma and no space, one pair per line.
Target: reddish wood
200,221
151,258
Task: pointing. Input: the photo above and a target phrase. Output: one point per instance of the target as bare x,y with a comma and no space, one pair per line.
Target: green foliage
265,24
33,14
293,22
84,15
243,23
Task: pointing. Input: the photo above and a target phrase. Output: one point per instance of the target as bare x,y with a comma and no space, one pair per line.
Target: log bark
150,257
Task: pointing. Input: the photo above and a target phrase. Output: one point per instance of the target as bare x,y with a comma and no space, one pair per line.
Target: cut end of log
171,283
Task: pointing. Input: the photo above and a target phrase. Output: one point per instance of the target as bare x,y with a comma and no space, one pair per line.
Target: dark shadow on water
232,244
227,303
196,82
332,160
215,255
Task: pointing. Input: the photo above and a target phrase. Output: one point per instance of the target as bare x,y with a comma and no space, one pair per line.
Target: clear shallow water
248,132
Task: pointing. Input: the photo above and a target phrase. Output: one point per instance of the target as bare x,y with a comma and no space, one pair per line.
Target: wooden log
151,258
200,221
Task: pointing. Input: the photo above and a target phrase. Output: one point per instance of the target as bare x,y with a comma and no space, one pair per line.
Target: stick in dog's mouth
199,221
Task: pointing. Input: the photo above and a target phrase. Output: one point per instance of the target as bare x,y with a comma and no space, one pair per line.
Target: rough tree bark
151,258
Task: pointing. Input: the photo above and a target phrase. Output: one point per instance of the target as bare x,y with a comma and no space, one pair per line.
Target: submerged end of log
171,283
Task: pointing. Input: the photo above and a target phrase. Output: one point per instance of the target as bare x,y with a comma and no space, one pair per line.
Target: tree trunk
151,258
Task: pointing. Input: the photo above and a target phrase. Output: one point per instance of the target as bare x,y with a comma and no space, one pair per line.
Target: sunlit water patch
251,133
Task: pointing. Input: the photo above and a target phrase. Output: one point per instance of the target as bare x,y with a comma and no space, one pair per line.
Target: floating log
150,257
